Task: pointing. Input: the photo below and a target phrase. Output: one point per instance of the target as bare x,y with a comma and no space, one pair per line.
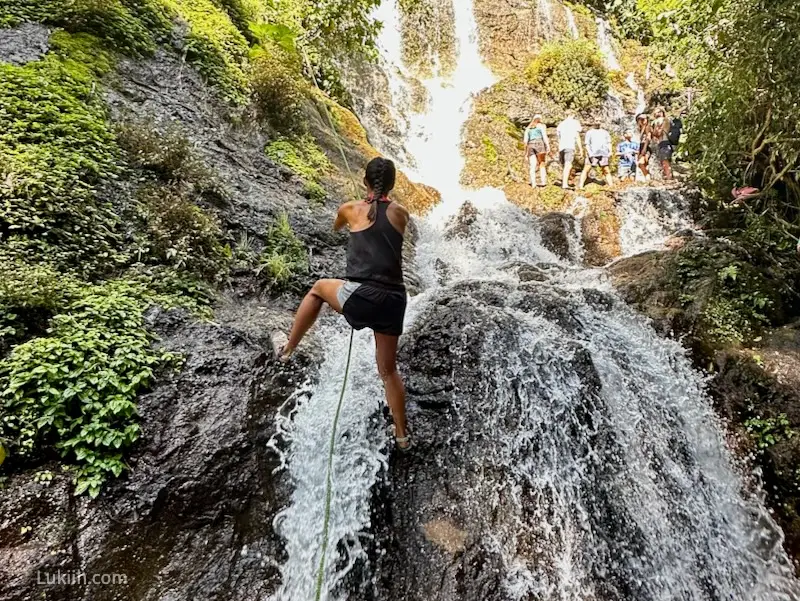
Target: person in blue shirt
627,151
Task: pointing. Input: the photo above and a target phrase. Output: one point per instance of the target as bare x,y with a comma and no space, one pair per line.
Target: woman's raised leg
324,291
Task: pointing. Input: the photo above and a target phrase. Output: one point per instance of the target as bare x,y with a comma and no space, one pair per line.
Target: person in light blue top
627,151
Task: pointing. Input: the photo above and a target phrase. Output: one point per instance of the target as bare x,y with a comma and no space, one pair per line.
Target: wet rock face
458,506
555,229
23,44
192,520
163,91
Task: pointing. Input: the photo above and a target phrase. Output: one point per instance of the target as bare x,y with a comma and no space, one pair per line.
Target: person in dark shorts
373,295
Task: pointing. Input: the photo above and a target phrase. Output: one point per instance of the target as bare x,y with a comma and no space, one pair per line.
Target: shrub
278,89
169,155
284,256
29,295
74,390
570,73
178,233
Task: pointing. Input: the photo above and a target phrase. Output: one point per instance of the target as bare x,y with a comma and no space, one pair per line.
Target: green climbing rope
329,486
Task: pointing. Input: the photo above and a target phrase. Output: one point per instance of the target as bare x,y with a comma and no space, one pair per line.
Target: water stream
571,25
617,472
605,42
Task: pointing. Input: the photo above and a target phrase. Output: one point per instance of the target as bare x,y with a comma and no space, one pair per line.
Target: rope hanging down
329,485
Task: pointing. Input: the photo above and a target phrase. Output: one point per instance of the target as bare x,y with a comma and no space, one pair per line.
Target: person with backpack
537,147
663,133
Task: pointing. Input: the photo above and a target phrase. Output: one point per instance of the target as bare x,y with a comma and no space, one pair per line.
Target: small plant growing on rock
571,74
284,256
303,157
179,233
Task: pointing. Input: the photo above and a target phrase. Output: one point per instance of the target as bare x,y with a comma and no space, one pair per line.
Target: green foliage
130,26
738,301
768,432
303,157
278,88
744,129
57,149
284,257
570,73
30,294
178,233
216,47
74,389
170,156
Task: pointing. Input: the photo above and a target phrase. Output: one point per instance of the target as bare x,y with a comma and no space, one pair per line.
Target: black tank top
375,255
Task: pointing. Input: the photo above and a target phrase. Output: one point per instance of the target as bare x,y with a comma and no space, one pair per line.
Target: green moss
216,47
57,149
129,26
570,73
302,156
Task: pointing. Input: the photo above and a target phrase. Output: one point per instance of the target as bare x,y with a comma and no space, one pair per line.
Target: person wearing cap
537,147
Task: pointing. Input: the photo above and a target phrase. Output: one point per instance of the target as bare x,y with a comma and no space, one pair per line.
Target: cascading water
604,41
616,484
571,25
641,100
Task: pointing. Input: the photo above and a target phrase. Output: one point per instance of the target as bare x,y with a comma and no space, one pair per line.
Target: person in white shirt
537,147
569,139
598,152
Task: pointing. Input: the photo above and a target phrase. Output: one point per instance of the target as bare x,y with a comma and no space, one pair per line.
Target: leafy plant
179,233
570,73
278,89
768,432
284,256
74,390
57,148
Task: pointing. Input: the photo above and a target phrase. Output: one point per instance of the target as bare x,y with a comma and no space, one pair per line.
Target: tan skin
539,158
355,216
660,129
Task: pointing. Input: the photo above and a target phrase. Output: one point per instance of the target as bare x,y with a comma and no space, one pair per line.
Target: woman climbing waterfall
373,295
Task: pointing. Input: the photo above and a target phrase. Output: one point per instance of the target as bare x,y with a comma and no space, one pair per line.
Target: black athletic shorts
380,309
665,150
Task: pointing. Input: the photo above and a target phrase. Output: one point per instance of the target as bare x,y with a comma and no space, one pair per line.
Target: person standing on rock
373,295
569,139
660,141
627,150
598,151
537,147
643,161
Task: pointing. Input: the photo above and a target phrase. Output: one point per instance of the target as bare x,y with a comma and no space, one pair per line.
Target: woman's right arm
341,217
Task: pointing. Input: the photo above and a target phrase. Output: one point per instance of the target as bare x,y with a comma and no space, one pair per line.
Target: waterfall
545,17
641,100
571,25
605,42
616,475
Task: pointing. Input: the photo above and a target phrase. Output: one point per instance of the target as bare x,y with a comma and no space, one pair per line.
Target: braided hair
380,177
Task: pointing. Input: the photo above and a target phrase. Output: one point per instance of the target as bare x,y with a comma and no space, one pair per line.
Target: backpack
675,130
